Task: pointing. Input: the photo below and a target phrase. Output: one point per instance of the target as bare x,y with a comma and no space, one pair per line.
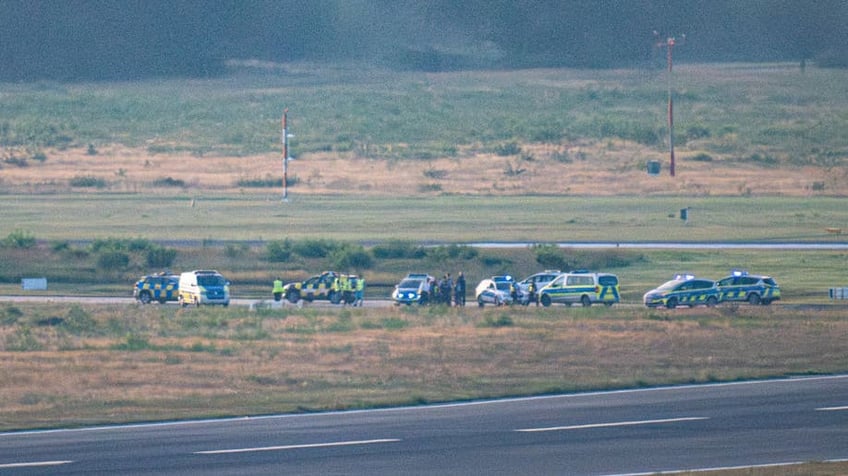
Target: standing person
531,291
459,290
445,289
278,289
360,291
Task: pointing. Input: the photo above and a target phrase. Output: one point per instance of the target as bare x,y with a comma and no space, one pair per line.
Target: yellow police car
160,287
581,287
323,286
684,289
751,288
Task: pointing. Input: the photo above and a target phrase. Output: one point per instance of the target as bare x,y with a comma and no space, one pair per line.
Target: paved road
606,433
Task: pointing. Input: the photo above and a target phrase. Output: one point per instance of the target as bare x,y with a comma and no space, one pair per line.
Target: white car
496,290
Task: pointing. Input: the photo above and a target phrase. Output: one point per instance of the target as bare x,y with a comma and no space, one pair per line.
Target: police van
684,289
204,287
751,288
581,287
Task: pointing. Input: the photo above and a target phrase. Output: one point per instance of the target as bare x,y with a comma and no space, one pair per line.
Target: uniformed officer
278,289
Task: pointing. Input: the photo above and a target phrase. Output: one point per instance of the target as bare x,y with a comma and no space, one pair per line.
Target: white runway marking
831,409
33,464
295,447
611,424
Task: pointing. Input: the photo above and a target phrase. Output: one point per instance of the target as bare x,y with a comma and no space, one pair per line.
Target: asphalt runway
624,432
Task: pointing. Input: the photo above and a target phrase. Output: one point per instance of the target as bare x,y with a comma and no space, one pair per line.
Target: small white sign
34,284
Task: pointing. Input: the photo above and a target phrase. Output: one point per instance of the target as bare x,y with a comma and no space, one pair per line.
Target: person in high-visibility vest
278,289
360,291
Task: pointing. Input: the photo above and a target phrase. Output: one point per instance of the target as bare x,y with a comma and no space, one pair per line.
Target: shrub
315,248
168,182
398,249
351,257
79,322
87,181
20,239
279,250
110,260
510,148
160,257
549,256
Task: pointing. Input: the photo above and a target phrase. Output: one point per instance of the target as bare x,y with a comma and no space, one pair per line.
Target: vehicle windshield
210,280
410,284
503,286
669,285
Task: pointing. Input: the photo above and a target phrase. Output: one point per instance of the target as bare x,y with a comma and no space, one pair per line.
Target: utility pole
669,46
285,140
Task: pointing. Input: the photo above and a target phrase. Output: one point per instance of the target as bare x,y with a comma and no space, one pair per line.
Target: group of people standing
446,291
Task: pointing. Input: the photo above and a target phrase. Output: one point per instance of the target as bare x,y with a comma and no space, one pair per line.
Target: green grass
542,219
732,110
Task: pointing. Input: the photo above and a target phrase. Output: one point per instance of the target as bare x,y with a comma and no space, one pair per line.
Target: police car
539,280
496,290
581,287
160,287
413,289
315,287
751,288
684,289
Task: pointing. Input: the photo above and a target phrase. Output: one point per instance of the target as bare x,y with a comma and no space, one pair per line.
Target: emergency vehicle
496,290
751,288
157,287
581,287
684,289
329,285
203,287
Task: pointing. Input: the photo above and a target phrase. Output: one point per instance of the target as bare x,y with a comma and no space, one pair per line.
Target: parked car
581,287
160,287
683,290
751,288
413,289
204,287
496,290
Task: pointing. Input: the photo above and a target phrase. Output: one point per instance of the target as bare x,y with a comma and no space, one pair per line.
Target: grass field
538,156
96,364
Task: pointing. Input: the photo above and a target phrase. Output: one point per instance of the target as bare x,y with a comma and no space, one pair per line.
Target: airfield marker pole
285,141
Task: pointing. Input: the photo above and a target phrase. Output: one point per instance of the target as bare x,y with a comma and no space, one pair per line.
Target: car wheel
546,300
608,304
671,303
712,301
480,302
162,300
585,301
753,299
144,297
293,297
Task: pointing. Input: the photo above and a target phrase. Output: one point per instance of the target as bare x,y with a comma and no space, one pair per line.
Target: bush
315,248
352,257
110,260
510,148
454,252
20,239
87,181
160,257
550,257
79,322
279,251
398,249
168,182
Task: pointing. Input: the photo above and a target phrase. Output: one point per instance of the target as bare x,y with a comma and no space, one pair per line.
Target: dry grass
593,168
135,364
